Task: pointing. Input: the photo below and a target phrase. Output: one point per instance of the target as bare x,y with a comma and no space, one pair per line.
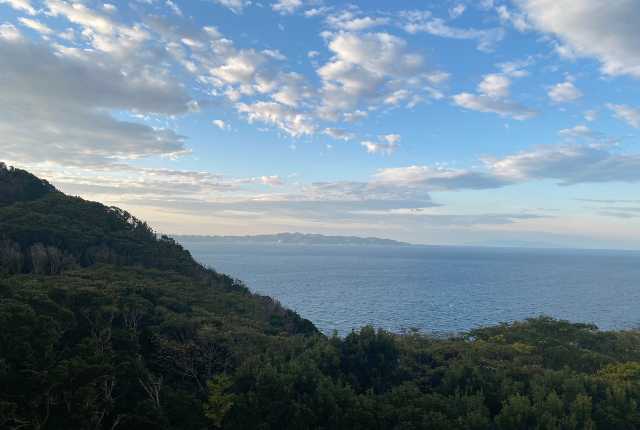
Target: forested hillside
104,325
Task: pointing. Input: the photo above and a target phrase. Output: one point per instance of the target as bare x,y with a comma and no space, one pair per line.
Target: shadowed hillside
107,326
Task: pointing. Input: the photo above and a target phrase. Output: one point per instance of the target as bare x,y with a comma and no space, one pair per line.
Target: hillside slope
95,310
106,326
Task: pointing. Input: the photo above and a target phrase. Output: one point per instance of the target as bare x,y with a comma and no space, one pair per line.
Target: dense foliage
45,232
18,185
106,326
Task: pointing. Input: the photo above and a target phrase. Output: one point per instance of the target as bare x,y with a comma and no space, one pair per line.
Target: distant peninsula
295,239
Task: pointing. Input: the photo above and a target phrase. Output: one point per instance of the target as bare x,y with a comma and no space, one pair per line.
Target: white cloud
495,85
483,103
379,148
35,25
591,115
105,34
397,96
316,11
607,31
274,53
9,32
379,53
564,92
247,77
355,116
66,117
493,95
391,139
516,69
240,68
626,113
293,123
457,11
366,69
579,131
23,5
518,20
438,77
174,7
109,8
236,6
220,124
338,133
387,145
424,22
292,91
438,178
348,21
273,181
287,7
569,164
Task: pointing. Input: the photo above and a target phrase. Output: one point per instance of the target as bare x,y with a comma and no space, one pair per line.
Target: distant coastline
294,239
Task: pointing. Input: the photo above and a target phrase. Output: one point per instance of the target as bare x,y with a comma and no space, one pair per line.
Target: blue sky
488,122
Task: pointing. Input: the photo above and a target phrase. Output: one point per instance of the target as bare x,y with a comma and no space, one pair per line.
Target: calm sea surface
435,289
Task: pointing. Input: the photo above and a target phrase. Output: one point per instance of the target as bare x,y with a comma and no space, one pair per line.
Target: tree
219,401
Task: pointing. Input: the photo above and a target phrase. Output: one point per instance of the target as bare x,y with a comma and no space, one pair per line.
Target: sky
484,122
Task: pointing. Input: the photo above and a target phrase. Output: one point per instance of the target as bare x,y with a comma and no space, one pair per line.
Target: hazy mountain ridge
294,239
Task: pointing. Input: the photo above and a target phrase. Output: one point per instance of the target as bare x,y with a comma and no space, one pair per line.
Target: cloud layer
357,108
607,31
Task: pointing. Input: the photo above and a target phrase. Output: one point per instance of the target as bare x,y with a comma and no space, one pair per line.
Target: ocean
439,290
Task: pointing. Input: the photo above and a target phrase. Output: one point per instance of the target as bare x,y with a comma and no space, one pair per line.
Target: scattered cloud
369,69
105,34
591,115
391,138
495,86
580,131
120,81
235,6
220,124
440,178
348,21
287,7
626,113
516,19
20,5
68,113
457,11
628,214
387,144
174,7
109,8
382,148
607,31
569,164
494,95
339,134
9,32
564,92
484,103
35,25
291,122
425,22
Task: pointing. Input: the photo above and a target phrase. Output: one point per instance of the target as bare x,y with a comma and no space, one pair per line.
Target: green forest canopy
105,325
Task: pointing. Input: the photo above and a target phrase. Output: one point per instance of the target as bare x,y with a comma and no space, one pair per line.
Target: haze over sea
435,289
